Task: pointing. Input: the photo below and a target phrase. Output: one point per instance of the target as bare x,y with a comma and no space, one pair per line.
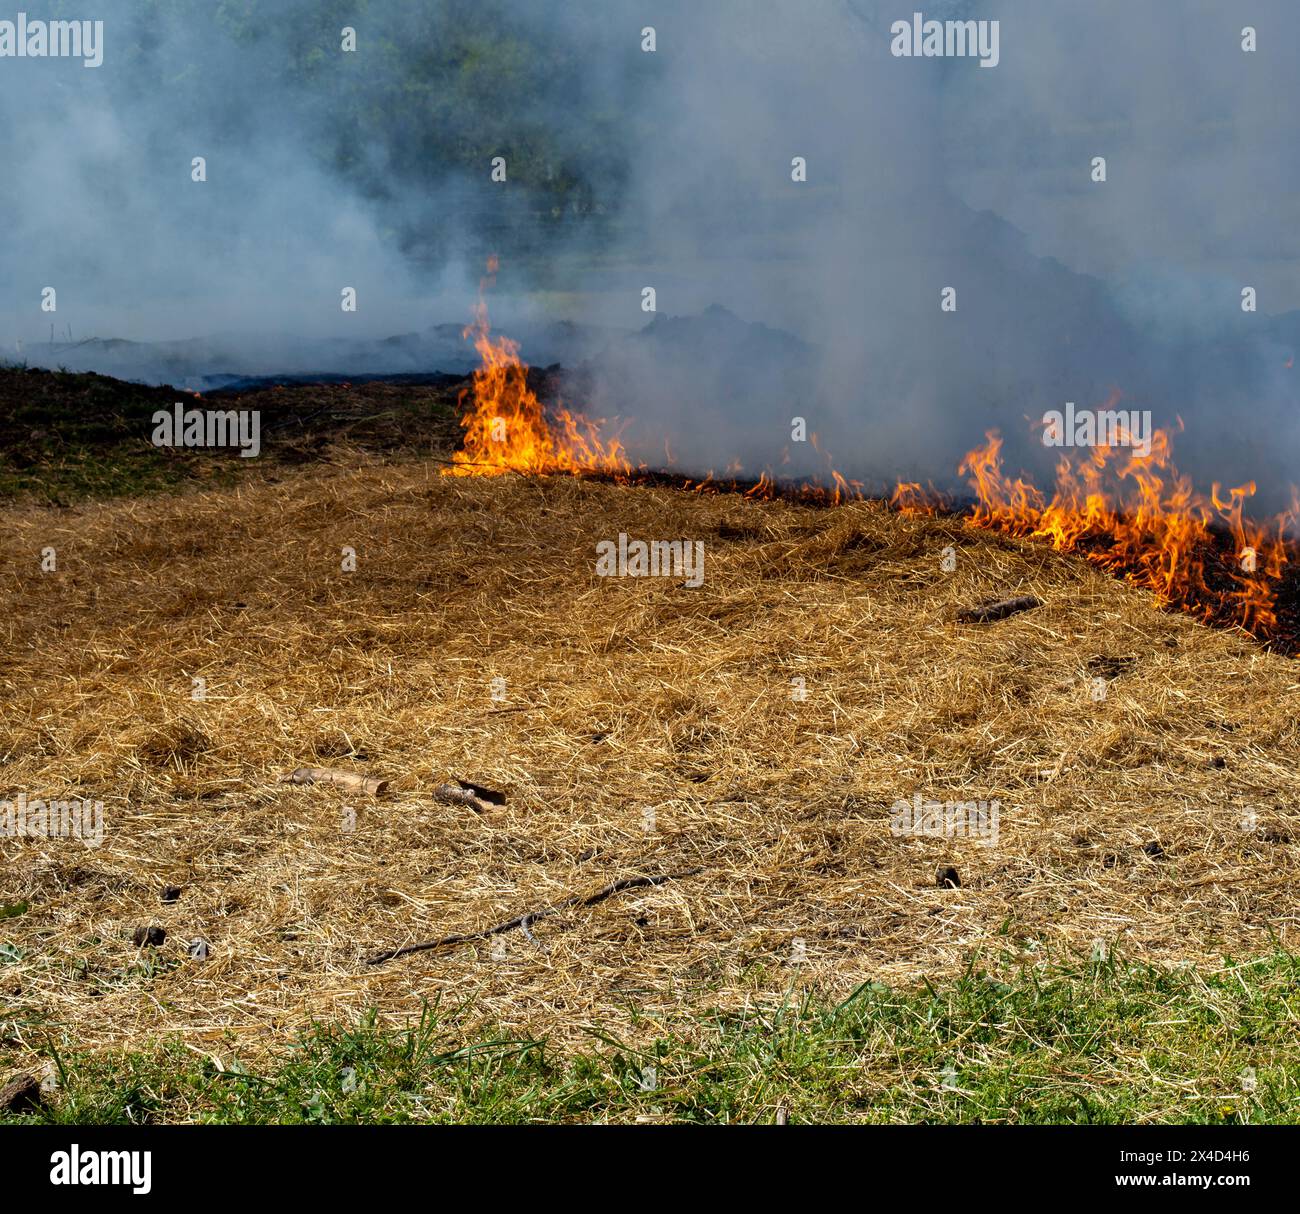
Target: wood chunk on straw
348,780
462,792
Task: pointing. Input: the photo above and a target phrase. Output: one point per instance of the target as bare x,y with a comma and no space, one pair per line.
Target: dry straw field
642,728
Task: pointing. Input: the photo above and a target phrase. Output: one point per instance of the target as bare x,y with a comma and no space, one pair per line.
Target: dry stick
615,887
288,421
998,609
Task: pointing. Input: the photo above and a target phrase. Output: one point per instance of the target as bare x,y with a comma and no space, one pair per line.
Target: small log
348,780
997,609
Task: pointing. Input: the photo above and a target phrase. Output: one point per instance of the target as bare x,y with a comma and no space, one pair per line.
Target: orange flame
507,428
1138,516
1133,514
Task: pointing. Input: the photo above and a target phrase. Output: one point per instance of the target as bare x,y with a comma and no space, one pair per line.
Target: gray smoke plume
672,170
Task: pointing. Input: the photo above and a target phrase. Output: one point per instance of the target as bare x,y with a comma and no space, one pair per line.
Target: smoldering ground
672,169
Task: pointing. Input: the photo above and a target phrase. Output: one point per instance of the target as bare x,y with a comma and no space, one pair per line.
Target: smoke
324,169
98,201
672,170
928,173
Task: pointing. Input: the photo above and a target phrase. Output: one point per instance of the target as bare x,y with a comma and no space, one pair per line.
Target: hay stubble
628,703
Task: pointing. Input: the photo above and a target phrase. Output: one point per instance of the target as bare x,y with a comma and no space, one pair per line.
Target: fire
1137,516
1125,508
507,429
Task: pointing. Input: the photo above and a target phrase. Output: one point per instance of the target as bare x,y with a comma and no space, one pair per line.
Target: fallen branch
997,609
338,777
530,917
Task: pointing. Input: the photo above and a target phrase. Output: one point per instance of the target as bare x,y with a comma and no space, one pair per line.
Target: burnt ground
67,437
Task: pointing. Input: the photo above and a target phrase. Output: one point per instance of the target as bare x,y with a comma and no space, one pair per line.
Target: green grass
1100,1042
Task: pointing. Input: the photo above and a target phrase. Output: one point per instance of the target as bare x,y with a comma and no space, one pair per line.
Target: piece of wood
529,917
476,796
997,609
453,794
349,780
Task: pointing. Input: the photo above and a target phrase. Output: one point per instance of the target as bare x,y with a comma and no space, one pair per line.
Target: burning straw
1125,508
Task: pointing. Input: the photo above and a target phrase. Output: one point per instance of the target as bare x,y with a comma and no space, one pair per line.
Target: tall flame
508,429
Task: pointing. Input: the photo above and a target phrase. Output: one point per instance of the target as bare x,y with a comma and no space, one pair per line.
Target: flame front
507,428
1125,508
1137,516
